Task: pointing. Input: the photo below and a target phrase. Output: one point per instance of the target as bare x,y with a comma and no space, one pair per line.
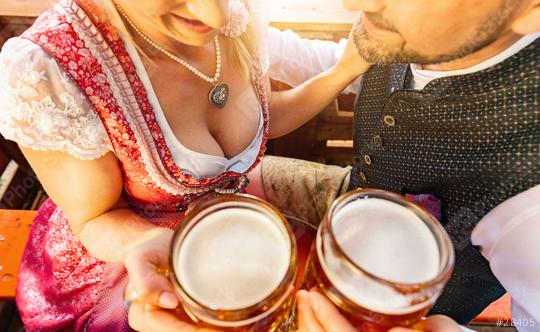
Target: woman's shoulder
42,108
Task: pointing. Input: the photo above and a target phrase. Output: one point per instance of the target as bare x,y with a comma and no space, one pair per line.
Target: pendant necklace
219,94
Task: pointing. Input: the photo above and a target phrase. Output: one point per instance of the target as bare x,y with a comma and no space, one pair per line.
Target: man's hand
435,323
317,314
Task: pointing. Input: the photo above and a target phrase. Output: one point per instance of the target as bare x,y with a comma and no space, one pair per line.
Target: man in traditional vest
451,109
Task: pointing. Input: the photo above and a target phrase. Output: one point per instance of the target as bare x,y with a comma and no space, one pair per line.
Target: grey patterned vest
473,141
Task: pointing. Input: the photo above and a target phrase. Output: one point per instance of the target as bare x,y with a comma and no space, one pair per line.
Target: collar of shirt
422,77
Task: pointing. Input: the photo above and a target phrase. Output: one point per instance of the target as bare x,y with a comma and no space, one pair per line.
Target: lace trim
36,121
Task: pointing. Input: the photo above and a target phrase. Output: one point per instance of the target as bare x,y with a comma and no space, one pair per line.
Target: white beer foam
390,242
233,259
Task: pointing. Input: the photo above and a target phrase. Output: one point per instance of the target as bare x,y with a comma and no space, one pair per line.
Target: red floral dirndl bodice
60,285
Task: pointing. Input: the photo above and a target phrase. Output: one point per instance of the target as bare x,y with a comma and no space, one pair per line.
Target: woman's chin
192,39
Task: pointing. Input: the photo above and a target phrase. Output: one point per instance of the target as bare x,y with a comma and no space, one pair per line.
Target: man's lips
374,29
194,25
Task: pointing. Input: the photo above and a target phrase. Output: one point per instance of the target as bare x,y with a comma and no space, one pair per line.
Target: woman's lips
193,25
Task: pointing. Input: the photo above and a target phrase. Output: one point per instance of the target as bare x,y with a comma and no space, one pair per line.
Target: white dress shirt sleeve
509,238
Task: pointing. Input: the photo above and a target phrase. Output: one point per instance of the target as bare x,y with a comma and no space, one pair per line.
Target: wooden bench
14,228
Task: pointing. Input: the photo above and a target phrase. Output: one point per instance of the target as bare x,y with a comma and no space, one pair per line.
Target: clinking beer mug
380,258
234,262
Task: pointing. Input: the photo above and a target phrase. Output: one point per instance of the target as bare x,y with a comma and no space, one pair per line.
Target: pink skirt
61,287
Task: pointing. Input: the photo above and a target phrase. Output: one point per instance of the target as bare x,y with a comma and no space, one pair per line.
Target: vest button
377,141
367,159
362,176
389,120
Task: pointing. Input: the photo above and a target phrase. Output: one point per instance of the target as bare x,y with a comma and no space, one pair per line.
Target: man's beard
377,52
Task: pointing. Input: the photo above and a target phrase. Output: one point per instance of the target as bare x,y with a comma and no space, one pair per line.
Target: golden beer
235,262
380,258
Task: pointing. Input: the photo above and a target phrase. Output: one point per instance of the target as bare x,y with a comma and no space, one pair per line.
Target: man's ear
528,21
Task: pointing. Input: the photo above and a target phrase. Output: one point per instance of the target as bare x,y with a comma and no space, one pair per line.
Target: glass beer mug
234,263
380,258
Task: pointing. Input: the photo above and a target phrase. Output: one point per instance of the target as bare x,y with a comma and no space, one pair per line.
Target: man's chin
376,52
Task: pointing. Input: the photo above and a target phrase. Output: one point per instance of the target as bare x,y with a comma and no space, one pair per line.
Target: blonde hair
243,51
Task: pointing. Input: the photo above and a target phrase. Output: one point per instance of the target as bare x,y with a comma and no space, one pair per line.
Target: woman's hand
147,263
317,314
351,62
291,109
150,290
148,318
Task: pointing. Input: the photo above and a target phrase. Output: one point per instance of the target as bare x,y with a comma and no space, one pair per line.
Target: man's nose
368,6
214,13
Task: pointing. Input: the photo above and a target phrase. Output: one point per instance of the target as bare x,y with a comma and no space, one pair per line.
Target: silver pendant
219,95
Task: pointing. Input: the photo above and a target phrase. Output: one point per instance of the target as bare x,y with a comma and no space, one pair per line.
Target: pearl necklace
219,94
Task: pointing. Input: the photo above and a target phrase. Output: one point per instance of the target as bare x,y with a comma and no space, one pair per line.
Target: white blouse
43,109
